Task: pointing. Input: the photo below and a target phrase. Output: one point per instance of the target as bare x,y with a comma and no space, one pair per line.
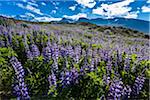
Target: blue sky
55,10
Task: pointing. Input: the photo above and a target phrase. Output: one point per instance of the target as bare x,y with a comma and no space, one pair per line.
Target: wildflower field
46,61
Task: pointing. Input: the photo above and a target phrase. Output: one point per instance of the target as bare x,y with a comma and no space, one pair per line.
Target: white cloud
30,14
8,16
55,3
20,5
145,9
24,0
43,3
53,11
132,15
56,7
87,3
148,1
34,1
23,16
46,19
75,17
33,4
119,9
31,8
72,8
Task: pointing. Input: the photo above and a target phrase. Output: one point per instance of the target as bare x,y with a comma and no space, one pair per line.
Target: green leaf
133,57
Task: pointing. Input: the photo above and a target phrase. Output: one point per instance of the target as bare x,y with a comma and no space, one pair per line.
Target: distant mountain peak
66,20
135,24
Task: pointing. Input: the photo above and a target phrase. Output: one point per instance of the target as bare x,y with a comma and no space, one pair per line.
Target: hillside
115,30
81,61
135,24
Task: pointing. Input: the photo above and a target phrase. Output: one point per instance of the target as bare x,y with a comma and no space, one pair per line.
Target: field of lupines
71,61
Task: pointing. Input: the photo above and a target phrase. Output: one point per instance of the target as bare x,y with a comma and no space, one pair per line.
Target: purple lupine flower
92,65
94,53
85,67
53,50
77,53
106,79
19,71
6,37
104,55
67,80
82,71
17,66
127,64
29,54
62,76
47,53
55,65
109,65
10,38
35,51
16,90
69,77
138,85
49,43
127,91
70,51
119,56
116,90
63,52
56,53
89,52
74,75
27,50
52,79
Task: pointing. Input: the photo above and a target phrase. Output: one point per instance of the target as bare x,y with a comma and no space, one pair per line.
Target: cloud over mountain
119,9
75,9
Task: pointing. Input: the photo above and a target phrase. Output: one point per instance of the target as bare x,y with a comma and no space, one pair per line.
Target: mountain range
135,24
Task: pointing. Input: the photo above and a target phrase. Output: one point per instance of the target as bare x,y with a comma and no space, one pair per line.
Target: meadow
80,61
